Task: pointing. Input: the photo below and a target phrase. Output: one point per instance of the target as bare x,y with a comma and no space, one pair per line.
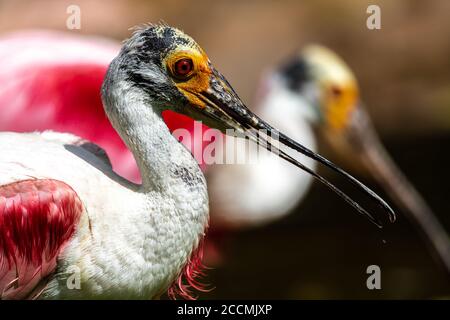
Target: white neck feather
162,160
141,236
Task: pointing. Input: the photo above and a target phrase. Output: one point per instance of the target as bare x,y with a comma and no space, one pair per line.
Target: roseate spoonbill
315,92
55,78
63,207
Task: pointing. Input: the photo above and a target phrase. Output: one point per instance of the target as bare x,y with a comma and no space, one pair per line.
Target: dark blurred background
323,249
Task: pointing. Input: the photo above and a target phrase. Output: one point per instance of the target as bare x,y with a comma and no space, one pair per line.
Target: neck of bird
164,218
163,162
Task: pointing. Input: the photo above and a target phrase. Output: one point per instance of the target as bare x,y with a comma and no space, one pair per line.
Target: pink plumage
37,217
189,275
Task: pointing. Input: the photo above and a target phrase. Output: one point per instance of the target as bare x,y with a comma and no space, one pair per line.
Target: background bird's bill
225,110
361,142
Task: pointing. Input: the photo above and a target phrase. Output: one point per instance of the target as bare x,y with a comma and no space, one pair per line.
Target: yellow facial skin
339,102
197,80
339,93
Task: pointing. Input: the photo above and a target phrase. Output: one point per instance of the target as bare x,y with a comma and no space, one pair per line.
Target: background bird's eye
336,91
183,67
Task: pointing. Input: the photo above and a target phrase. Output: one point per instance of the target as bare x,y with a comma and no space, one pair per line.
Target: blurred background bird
314,93
403,75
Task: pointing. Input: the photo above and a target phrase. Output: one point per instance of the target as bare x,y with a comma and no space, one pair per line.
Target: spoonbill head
51,80
327,91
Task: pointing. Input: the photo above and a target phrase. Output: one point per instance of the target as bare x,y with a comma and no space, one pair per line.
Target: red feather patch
37,217
188,278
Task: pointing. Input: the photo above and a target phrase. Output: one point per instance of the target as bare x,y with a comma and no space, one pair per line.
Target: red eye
183,67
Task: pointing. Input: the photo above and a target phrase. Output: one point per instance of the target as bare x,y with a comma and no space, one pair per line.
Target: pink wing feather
37,218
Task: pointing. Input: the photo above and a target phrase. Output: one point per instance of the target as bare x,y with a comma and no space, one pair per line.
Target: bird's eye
336,92
183,67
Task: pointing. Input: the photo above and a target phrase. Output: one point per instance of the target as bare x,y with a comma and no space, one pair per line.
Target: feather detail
37,218
188,279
